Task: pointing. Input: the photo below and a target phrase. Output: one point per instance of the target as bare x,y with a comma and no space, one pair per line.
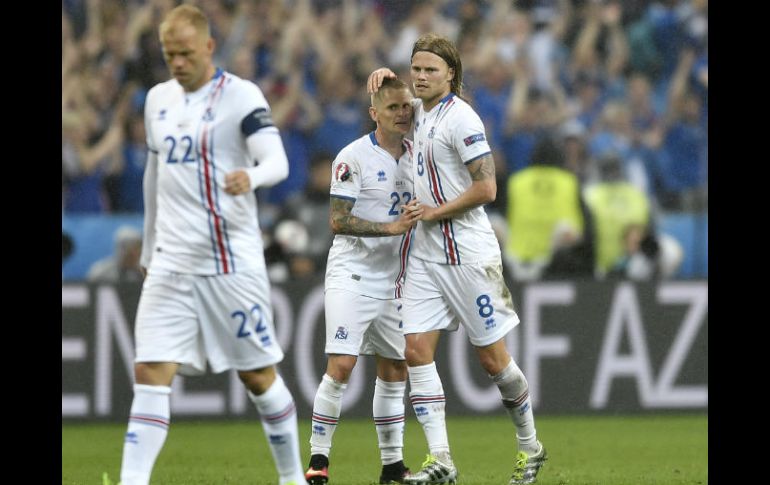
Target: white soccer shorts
188,319
441,297
360,325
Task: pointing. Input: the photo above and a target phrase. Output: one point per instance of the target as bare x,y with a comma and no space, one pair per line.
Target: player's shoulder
162,89
237,84
161,96
357,148
460,107
461,114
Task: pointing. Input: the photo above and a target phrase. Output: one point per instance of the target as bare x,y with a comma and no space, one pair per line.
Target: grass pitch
584,450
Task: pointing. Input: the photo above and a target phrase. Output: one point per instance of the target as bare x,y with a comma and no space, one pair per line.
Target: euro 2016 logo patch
473,139
342,173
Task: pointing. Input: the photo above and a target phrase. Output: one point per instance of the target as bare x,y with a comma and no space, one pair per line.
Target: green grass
584,450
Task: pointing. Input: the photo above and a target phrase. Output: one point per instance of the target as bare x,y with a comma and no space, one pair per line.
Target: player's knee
392,370
155,373
493,363
399,370
340,367
417,356
258,381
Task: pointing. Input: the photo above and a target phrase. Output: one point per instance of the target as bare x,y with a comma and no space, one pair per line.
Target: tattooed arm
483,190
342,220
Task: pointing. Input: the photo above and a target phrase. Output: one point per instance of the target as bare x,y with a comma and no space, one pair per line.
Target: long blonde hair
445,49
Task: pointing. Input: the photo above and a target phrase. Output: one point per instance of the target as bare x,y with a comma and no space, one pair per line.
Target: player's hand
413,209
410,214
375,79
237,183
429,214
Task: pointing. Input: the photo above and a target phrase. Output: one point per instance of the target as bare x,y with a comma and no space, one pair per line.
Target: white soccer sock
279,421
515,394
327,407
388,412
428,401
147,429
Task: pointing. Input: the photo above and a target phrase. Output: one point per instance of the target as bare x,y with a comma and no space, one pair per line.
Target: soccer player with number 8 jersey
455,267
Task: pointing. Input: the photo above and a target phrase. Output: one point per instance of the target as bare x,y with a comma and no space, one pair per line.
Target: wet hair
445,49
187,13
388,83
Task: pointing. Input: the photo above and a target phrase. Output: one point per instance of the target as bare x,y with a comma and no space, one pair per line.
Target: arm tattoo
346,223
483,168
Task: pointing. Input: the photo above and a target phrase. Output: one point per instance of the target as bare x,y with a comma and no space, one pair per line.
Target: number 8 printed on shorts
485,308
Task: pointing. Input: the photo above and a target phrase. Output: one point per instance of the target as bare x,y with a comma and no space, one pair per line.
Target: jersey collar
447,97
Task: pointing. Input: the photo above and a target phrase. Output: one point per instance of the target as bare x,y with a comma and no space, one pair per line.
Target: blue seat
93,238
691,230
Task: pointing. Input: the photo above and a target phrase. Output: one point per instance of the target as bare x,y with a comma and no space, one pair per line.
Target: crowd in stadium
622,85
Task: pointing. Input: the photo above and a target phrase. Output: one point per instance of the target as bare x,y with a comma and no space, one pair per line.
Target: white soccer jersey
366,173
446,139
198,138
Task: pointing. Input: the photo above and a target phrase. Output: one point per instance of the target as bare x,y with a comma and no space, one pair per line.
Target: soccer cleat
394,473
318,471
526,468
434,471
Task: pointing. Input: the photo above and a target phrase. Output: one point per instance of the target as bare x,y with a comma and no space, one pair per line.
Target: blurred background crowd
596,111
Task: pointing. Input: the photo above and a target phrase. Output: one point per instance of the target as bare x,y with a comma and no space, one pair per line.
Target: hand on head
375,79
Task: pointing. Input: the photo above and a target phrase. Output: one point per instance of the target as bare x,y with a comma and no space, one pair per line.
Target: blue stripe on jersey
446,98
255,121
444,225
229,247
403,259
454,240
231,269
444,238
201,184
477,157
447,102
373,138
431,170
343,197
438,175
